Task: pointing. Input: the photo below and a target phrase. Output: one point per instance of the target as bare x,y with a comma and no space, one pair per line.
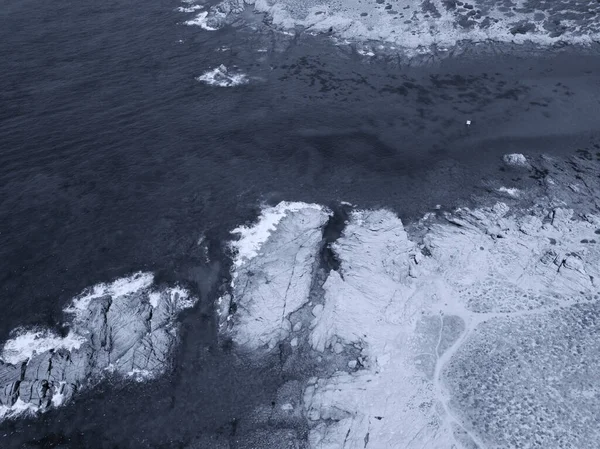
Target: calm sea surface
113,159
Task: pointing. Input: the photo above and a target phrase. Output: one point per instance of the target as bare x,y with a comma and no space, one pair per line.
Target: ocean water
114,158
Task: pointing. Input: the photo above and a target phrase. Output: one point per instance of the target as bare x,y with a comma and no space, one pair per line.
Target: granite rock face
417,25
516,160
127,328
470,329
432,320
273,272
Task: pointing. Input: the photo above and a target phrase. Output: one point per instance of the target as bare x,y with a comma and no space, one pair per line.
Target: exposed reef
471,328
431,26
126,328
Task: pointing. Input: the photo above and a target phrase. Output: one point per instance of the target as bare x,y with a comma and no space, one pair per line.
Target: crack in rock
467,334
126,328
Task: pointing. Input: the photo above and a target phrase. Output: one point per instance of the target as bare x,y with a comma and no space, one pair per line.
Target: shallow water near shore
115,159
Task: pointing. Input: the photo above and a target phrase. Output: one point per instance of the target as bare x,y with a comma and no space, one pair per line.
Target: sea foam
223,77
251,238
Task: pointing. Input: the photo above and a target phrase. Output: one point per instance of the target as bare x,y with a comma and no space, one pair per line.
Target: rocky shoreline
423,331
126,328
418,30
463,329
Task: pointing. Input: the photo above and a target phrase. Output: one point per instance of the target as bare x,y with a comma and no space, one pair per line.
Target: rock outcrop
472,279
127,328
516,159
274,261
416,25
480,332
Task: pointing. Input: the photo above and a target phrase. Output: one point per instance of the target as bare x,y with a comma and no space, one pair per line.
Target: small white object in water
223,77
468,122
201,20
139,375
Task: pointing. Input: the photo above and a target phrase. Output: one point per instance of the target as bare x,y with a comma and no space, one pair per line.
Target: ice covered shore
481,330
126,328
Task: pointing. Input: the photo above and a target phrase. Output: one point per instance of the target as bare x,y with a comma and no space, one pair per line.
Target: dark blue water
113,159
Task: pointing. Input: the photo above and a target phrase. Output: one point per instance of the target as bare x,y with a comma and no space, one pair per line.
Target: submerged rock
126,327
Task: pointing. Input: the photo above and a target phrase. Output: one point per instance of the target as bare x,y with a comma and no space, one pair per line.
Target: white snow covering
28,343
251,238
223,77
